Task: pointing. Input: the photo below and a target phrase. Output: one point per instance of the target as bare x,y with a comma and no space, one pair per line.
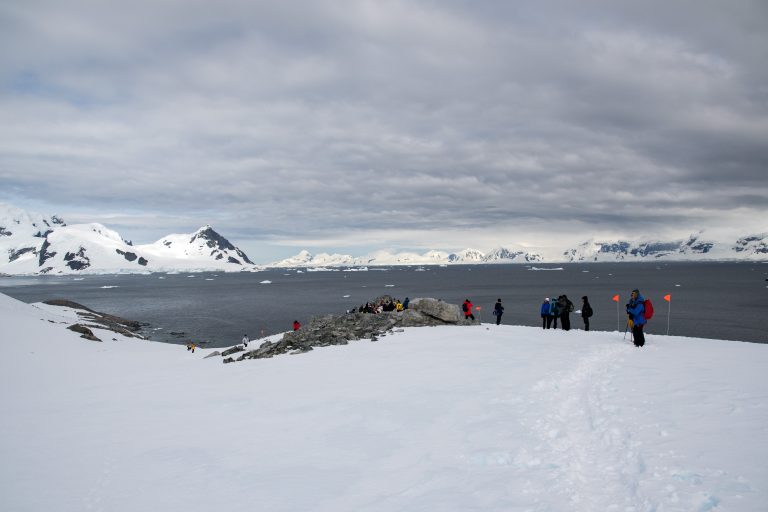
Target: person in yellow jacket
399,307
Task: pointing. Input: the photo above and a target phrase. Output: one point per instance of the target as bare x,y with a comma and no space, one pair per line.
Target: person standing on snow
565,307
586,312
498,310
245,340
554,311
466,307
546,317
296,325
636,314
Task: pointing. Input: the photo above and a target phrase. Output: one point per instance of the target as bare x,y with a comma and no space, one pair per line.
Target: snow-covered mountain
34,244
467,256
695,248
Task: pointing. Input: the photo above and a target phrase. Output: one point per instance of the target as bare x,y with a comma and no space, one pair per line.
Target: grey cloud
308,120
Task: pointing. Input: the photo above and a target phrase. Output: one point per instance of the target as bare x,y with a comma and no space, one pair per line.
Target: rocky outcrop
113,323
84,331
449,313
329,330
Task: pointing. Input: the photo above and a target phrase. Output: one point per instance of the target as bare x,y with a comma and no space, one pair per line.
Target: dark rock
84,331
228,360
5,232
143,261
44,255
13,255
232,350
130,256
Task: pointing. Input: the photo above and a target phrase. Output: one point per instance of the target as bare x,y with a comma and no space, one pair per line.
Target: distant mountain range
31,243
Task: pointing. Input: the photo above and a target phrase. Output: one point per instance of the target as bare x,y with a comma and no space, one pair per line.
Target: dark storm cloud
343,120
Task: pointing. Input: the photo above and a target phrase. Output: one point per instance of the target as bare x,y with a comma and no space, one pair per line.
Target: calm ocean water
709,300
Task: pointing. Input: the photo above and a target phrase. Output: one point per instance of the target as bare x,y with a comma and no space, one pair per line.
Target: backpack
464,307
648,309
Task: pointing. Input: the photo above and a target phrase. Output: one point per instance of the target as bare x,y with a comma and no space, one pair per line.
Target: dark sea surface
709,300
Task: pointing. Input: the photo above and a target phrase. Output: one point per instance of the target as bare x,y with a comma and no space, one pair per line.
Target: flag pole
668,298
615,299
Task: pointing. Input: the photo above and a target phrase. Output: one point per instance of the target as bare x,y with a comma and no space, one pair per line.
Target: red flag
668,297
616,298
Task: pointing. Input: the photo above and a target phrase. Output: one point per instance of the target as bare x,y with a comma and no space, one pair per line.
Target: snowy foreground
436,419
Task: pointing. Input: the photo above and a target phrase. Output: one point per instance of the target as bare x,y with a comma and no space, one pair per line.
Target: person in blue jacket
546,314
636,313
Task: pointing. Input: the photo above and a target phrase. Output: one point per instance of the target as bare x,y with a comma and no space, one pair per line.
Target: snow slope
451,419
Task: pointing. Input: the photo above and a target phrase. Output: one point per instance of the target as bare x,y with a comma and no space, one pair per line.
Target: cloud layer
399,124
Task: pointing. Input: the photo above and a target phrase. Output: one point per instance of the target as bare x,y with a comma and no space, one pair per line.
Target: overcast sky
357,125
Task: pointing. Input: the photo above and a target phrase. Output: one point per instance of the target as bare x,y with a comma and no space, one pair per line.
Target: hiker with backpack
554,312
498,310
466,307
639,311
566,308
586,312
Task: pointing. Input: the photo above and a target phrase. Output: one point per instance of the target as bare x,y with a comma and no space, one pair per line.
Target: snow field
475,418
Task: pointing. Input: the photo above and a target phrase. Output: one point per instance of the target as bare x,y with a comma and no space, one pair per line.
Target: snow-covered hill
694,248
491,418
467,256
34,244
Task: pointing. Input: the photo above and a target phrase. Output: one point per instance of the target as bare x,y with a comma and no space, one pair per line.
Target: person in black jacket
586,312
498,310
566,308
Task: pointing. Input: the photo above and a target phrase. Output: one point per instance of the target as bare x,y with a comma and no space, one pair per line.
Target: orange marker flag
616,298
668,297
478,308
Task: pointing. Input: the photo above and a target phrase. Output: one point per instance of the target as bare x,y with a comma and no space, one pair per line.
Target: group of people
561,308
551,311
385,305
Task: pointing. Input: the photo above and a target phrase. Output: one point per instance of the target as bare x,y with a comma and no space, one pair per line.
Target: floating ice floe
106,287
78,279
266,281
542,268
209,279
346,296
389,286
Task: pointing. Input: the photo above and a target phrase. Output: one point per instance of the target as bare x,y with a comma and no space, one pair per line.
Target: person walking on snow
498,310
636,314
586,312
546,317
245,340
467,309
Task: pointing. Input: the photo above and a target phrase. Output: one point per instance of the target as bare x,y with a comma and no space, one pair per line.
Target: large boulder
436,308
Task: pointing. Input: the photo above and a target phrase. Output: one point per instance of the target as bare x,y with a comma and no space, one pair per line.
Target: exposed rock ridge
323,331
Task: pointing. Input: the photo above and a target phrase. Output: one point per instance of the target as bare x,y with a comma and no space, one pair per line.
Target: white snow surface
447,418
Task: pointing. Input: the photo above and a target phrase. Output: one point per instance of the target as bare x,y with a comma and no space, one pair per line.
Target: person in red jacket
296,325
467,309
